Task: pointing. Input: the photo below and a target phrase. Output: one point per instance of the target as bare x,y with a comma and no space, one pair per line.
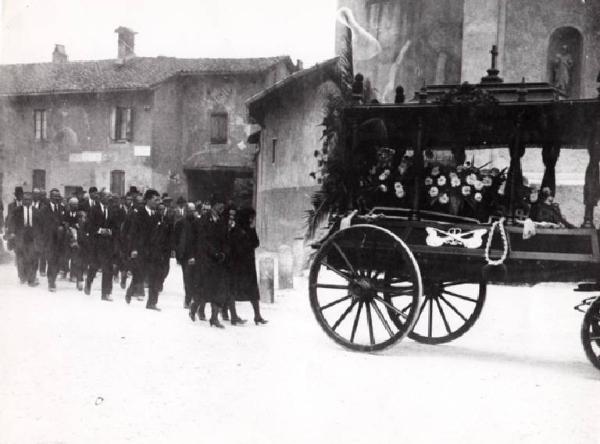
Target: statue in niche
562,65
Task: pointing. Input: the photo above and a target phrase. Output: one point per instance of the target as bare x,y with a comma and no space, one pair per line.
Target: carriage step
583,305
588,286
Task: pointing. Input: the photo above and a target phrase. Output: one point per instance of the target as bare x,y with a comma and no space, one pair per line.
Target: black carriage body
457,250
487,116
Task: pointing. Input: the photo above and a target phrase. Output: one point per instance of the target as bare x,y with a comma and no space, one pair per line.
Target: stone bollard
266,279
298,252
286,267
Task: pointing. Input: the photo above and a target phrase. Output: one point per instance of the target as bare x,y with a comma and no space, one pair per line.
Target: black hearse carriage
388,271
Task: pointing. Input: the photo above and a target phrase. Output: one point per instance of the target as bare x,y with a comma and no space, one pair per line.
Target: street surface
74,369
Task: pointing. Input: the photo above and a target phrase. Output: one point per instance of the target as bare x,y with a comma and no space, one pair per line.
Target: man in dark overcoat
25,228
163,240
92,199
184,234
53,218
38,203
10,242
101,229
122,240
144,250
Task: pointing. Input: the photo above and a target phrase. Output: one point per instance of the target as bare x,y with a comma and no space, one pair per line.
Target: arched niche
564,59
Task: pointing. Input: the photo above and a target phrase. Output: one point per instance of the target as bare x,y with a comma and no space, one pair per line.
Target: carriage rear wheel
449,310
590,333
361,279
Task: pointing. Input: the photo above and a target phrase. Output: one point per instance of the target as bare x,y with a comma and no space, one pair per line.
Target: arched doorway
564,59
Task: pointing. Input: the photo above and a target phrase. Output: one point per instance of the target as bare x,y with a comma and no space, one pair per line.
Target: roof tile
114,74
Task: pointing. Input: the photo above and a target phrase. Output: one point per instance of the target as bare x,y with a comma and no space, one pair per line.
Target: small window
273,150
39,179
122,124
40,124
117,182
218,128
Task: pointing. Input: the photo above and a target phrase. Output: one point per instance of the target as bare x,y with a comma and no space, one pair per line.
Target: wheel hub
363,289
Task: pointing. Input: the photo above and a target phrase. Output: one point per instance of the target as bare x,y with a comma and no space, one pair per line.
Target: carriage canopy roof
480,116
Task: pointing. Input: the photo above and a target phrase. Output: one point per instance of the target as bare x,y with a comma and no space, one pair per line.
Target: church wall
481,27
434,29
529,26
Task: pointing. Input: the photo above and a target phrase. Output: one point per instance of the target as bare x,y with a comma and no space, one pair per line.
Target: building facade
174,124
289,114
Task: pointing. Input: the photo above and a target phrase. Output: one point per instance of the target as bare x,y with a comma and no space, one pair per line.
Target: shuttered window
121,124
39,124
218,128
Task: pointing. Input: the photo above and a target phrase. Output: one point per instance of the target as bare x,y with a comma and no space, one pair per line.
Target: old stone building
174,124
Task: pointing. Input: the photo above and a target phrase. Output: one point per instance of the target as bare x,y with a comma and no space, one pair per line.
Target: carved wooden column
591,188
419,167
514,179
550,153
349,135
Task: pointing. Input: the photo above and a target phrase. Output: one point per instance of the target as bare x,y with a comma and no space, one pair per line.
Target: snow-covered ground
74,369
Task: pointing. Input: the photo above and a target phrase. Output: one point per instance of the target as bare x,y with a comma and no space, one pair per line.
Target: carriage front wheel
590,333
361,279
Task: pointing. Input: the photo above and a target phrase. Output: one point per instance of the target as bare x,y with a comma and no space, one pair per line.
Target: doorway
236,185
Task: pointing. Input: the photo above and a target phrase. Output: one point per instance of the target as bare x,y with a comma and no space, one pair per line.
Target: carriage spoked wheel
590,333
449,310
351,274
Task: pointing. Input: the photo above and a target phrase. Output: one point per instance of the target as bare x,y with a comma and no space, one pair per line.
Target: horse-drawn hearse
423,230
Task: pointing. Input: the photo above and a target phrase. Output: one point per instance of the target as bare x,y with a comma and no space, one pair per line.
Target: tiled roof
325,67
103,75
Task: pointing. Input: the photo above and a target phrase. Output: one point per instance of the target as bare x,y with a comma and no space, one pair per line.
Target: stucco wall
181,129
173,119
284,185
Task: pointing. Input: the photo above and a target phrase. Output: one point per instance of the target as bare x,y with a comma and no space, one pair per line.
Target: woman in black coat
212,252
244,241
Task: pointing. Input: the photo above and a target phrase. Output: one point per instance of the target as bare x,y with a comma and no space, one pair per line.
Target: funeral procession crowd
135,236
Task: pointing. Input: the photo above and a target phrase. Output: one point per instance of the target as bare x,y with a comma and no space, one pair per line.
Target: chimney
60,54
126,42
